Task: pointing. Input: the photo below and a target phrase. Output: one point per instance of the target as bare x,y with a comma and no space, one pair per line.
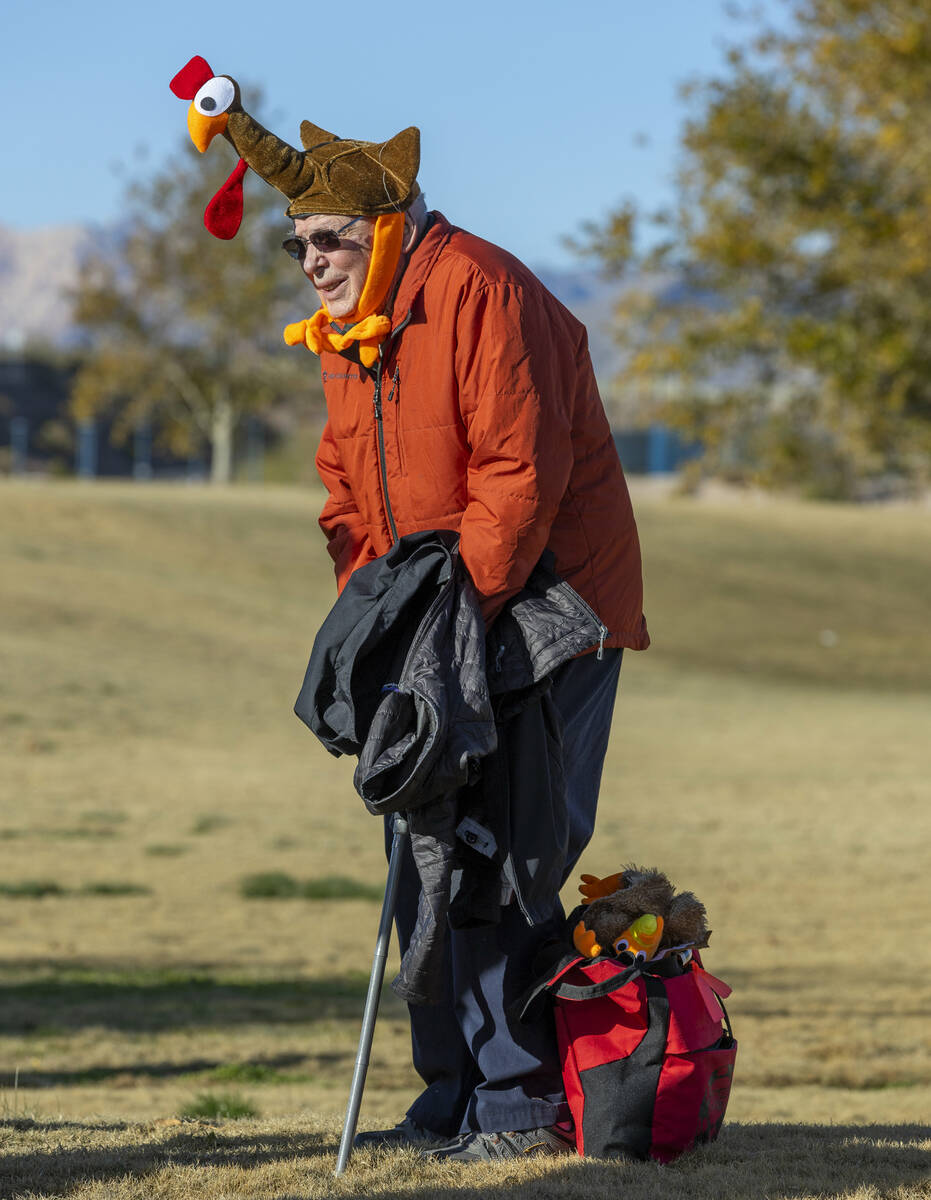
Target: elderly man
460,396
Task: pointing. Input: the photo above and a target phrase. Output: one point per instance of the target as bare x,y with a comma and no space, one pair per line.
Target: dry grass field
771,752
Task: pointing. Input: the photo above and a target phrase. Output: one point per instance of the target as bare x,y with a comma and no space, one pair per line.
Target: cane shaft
376,979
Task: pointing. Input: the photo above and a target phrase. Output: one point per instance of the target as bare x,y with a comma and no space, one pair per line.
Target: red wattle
223,215
191,78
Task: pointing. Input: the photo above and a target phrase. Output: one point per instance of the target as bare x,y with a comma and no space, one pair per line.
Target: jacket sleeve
347,535
516,369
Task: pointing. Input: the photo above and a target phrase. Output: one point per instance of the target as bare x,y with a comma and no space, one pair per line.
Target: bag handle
529,1006
665,968
591,991
727,1020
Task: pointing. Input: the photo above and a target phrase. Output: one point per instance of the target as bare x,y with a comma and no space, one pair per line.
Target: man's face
337,275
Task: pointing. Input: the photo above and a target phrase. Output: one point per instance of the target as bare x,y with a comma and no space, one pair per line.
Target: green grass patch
76,834
114,887
89,833
31,889
210,823
279,885
246,1072
164,850
269,885
226,1106
339,887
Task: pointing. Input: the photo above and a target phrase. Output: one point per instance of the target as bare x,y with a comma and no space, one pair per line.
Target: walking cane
400,831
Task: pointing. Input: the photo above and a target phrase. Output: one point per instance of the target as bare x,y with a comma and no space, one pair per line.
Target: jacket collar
419,267
413,279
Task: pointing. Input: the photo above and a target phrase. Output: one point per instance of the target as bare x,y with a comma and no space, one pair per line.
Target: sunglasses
320,239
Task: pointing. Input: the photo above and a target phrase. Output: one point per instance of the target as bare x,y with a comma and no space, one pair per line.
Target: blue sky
534,116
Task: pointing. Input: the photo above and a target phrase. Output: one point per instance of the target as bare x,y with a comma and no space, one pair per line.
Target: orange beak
204,129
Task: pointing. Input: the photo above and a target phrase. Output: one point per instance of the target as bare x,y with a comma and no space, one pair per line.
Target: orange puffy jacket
482,415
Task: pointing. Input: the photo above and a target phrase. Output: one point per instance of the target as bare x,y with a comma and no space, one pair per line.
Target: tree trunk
223,423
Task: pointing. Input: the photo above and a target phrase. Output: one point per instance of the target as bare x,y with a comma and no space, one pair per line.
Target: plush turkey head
213,98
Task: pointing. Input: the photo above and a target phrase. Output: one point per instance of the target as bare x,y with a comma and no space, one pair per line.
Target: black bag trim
619,1104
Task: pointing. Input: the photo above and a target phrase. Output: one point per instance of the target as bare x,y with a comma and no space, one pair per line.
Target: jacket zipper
603,631
380,430
382,465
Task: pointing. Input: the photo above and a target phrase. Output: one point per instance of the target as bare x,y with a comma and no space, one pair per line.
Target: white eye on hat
215,96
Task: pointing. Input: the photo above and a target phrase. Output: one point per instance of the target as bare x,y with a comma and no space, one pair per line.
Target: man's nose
313,260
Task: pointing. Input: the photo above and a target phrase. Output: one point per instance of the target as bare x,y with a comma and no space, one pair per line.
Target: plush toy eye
215,96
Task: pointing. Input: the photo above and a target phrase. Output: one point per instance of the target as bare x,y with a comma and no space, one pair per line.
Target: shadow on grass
46,1171
257,1070
147,1000
747,1162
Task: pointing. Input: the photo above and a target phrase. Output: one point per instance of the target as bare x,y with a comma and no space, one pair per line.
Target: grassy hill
770,752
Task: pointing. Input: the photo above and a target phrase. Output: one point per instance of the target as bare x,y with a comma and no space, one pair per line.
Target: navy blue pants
483,1070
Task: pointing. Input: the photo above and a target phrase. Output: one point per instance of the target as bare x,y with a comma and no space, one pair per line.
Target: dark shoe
493,1147
407,1133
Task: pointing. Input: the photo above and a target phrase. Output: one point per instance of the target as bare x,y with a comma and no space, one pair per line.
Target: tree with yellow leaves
796,342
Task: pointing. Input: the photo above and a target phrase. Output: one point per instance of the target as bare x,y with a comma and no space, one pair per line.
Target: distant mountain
37,268
592,298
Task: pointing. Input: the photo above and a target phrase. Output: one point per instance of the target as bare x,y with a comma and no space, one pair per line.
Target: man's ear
410,234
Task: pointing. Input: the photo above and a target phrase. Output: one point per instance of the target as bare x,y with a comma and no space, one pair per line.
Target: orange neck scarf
366,326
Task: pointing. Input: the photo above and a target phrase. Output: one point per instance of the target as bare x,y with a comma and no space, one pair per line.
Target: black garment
482,1068
397,675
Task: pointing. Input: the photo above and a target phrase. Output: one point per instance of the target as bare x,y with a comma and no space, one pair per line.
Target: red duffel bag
647,1054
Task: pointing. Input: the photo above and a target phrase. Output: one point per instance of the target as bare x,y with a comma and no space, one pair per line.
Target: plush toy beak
204,129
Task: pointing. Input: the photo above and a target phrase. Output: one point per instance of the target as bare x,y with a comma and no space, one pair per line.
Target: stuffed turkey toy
636,914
